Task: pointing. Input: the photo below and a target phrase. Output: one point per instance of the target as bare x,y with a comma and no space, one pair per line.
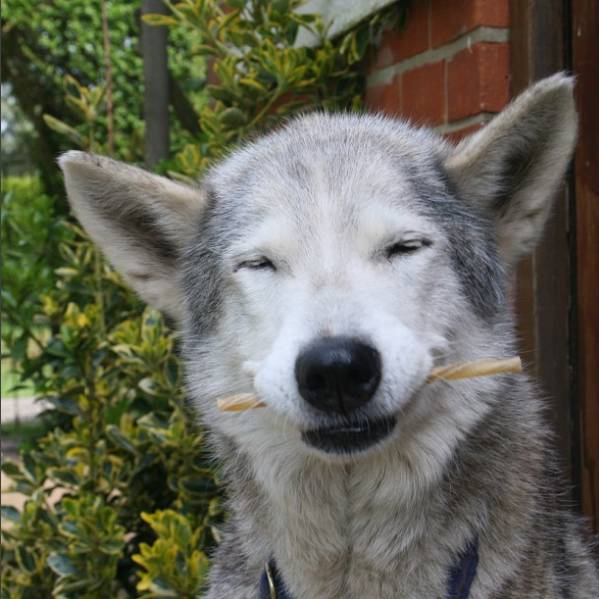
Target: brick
457,136
385,98
478,80
452,18
423,94
411,40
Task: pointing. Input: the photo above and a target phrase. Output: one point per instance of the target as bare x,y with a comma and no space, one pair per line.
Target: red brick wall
448,68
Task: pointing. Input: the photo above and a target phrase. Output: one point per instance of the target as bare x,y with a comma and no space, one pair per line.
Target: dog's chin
350,437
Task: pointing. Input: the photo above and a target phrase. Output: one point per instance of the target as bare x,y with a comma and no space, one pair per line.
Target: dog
327,267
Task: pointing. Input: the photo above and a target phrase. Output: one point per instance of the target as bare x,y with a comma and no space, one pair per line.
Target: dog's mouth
350,437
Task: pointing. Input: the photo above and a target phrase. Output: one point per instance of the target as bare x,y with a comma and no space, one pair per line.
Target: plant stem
99,291
265,109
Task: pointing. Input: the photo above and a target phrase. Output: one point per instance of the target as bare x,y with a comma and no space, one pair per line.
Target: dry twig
452,372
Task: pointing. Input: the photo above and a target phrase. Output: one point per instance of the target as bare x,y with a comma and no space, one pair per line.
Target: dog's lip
350,437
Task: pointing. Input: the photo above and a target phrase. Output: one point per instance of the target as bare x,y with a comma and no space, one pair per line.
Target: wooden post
585,56
156,86
546,290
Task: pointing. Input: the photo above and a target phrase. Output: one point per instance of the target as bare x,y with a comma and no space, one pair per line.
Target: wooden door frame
556,293
585,60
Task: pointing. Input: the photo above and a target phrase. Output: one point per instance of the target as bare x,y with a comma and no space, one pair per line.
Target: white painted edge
339,15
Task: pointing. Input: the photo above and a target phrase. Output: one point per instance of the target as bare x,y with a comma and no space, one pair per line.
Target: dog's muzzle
338,376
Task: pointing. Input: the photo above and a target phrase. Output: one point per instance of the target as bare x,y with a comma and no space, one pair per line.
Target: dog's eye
261,263
406,246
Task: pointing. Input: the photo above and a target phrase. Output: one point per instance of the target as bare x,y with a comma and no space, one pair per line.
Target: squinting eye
407,246
261,263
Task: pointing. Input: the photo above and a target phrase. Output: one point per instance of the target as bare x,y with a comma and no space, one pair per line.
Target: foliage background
122,499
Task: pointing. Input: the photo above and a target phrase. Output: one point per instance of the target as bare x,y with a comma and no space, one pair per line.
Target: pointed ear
513,167
142,222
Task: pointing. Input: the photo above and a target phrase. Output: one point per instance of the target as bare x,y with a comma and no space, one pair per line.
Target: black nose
338,374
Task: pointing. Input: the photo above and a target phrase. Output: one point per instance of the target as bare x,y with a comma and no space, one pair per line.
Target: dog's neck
391,522
335,531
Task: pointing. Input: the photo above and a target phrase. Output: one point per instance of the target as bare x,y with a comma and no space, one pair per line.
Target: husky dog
328,267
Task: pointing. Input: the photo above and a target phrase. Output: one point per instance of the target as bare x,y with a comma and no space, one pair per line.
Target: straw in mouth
452,372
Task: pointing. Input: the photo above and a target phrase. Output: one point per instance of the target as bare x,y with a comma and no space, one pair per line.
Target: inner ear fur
513,167
142,222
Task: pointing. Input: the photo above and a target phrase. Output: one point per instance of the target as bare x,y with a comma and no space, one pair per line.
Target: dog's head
331,264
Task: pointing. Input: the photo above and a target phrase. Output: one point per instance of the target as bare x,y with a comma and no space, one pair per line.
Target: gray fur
323,198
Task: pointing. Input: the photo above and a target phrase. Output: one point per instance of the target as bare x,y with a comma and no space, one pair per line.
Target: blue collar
463,571
461,576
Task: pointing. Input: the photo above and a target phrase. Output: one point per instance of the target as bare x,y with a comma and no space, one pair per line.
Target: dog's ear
513,167
141,221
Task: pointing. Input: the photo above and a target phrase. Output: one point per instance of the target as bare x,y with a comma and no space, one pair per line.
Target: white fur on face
333,278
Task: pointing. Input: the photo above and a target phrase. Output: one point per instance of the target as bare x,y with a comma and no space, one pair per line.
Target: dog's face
330,265
337,282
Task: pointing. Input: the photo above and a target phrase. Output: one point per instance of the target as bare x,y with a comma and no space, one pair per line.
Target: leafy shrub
263,77
175,554
121,499
46,43
27,228
125,444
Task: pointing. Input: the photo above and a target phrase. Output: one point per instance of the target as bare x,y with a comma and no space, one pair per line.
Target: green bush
28,230
45,44
121,498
